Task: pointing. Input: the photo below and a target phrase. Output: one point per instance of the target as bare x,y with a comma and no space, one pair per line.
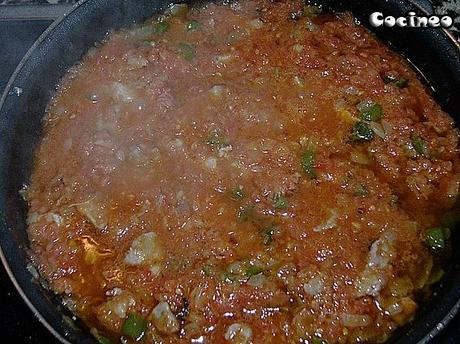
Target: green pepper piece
134,327
435,276
103,340
361,191
317,340
419,144
238,194
253,270
389,78
311,11
193,25
245,213
308,164
436,238
361,132
267,235
187,51
213,139
401,83
228,277
393,79
208,270
280,202
369,110
160,27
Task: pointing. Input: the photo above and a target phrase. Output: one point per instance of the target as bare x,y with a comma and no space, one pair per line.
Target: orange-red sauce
202,173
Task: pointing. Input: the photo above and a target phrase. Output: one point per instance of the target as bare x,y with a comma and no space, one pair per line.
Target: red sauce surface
205,174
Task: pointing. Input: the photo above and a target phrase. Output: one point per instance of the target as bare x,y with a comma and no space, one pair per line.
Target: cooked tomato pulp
254,172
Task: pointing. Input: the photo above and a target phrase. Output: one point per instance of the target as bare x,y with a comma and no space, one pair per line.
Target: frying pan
22,106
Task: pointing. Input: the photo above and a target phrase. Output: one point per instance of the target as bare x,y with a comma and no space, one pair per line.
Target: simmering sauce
253,172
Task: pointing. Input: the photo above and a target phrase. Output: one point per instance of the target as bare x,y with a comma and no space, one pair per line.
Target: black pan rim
449,34
5,94
434,332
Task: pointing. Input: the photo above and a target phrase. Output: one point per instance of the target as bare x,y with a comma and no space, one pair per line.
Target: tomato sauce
253,172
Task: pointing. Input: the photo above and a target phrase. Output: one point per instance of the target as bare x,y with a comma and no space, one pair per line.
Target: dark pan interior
34,82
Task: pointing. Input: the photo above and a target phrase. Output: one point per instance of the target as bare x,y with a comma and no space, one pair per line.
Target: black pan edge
29,304
422,6
6,92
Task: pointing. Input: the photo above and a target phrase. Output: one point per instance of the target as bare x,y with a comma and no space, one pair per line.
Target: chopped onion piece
256,23
452,189
93,212
238,333
370,283
155,270
382,250
52,217
351,90
118,305
257,281
114,292
176,10
120,155
329,224
408,308
164,319
374,276
217,90
314,286
211,163
355,320
377,128
32,218
359,158
224,150
298,48
387,127
198,297
224,58
68,144
145,250
122,92
394,309
137,62
298,80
